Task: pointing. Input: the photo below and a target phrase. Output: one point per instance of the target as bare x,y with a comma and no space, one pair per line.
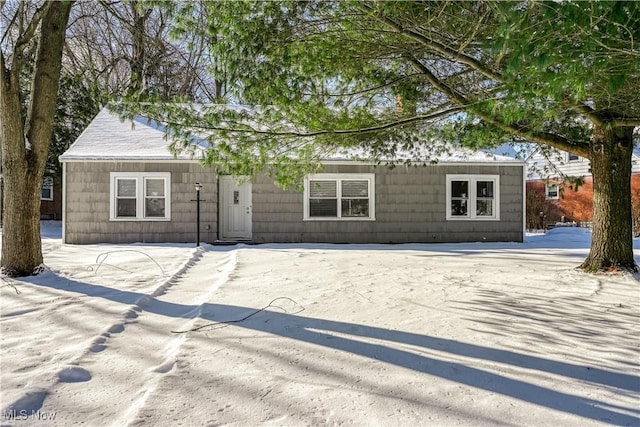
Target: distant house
562,200
51,198
121,184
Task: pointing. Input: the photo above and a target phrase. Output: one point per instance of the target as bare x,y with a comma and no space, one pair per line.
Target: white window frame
47,183
472,198
547,187
338,178
569,155
140,178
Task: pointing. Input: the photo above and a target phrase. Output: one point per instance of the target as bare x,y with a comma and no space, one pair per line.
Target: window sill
339,219
140,219
479,218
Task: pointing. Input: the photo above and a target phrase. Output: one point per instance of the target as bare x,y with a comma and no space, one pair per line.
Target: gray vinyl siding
410,208
87,205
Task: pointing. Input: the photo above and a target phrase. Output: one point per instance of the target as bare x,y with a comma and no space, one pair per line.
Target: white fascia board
125,160
420,163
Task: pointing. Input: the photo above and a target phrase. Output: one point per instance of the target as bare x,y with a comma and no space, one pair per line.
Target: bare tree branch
26,37
589,113
300,134
437,47
635,121
520,129
370,89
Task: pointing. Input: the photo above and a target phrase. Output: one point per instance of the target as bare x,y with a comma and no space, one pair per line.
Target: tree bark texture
139,49
25,144
612,239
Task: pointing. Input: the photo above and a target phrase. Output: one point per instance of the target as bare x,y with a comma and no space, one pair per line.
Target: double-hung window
47,189
572,157
140,196
551,191
339,197
473,197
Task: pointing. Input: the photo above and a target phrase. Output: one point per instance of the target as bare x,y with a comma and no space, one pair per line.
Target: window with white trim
473,197
47,189
552,191
143,196
572,157
339,197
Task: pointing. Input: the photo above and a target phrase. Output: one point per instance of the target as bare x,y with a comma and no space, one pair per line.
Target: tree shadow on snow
352,338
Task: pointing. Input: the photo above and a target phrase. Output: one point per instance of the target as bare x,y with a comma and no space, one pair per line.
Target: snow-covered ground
447,334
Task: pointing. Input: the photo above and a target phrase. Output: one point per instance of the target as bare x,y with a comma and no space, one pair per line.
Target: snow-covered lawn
402,335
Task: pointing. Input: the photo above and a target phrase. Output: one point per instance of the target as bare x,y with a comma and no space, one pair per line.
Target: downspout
64,200
1,196
218,204
524,202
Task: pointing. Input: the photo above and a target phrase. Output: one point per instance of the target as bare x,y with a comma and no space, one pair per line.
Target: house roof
435,153
110,138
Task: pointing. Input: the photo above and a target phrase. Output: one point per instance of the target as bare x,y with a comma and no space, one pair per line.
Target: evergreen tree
392,77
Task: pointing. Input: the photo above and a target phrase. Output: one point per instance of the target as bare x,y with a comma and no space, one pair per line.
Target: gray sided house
121,185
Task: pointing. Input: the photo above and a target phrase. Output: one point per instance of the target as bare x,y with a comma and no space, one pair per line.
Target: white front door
235,209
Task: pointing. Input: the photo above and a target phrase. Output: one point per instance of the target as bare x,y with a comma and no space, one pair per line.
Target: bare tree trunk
19,255
25,143
139,55
612,240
